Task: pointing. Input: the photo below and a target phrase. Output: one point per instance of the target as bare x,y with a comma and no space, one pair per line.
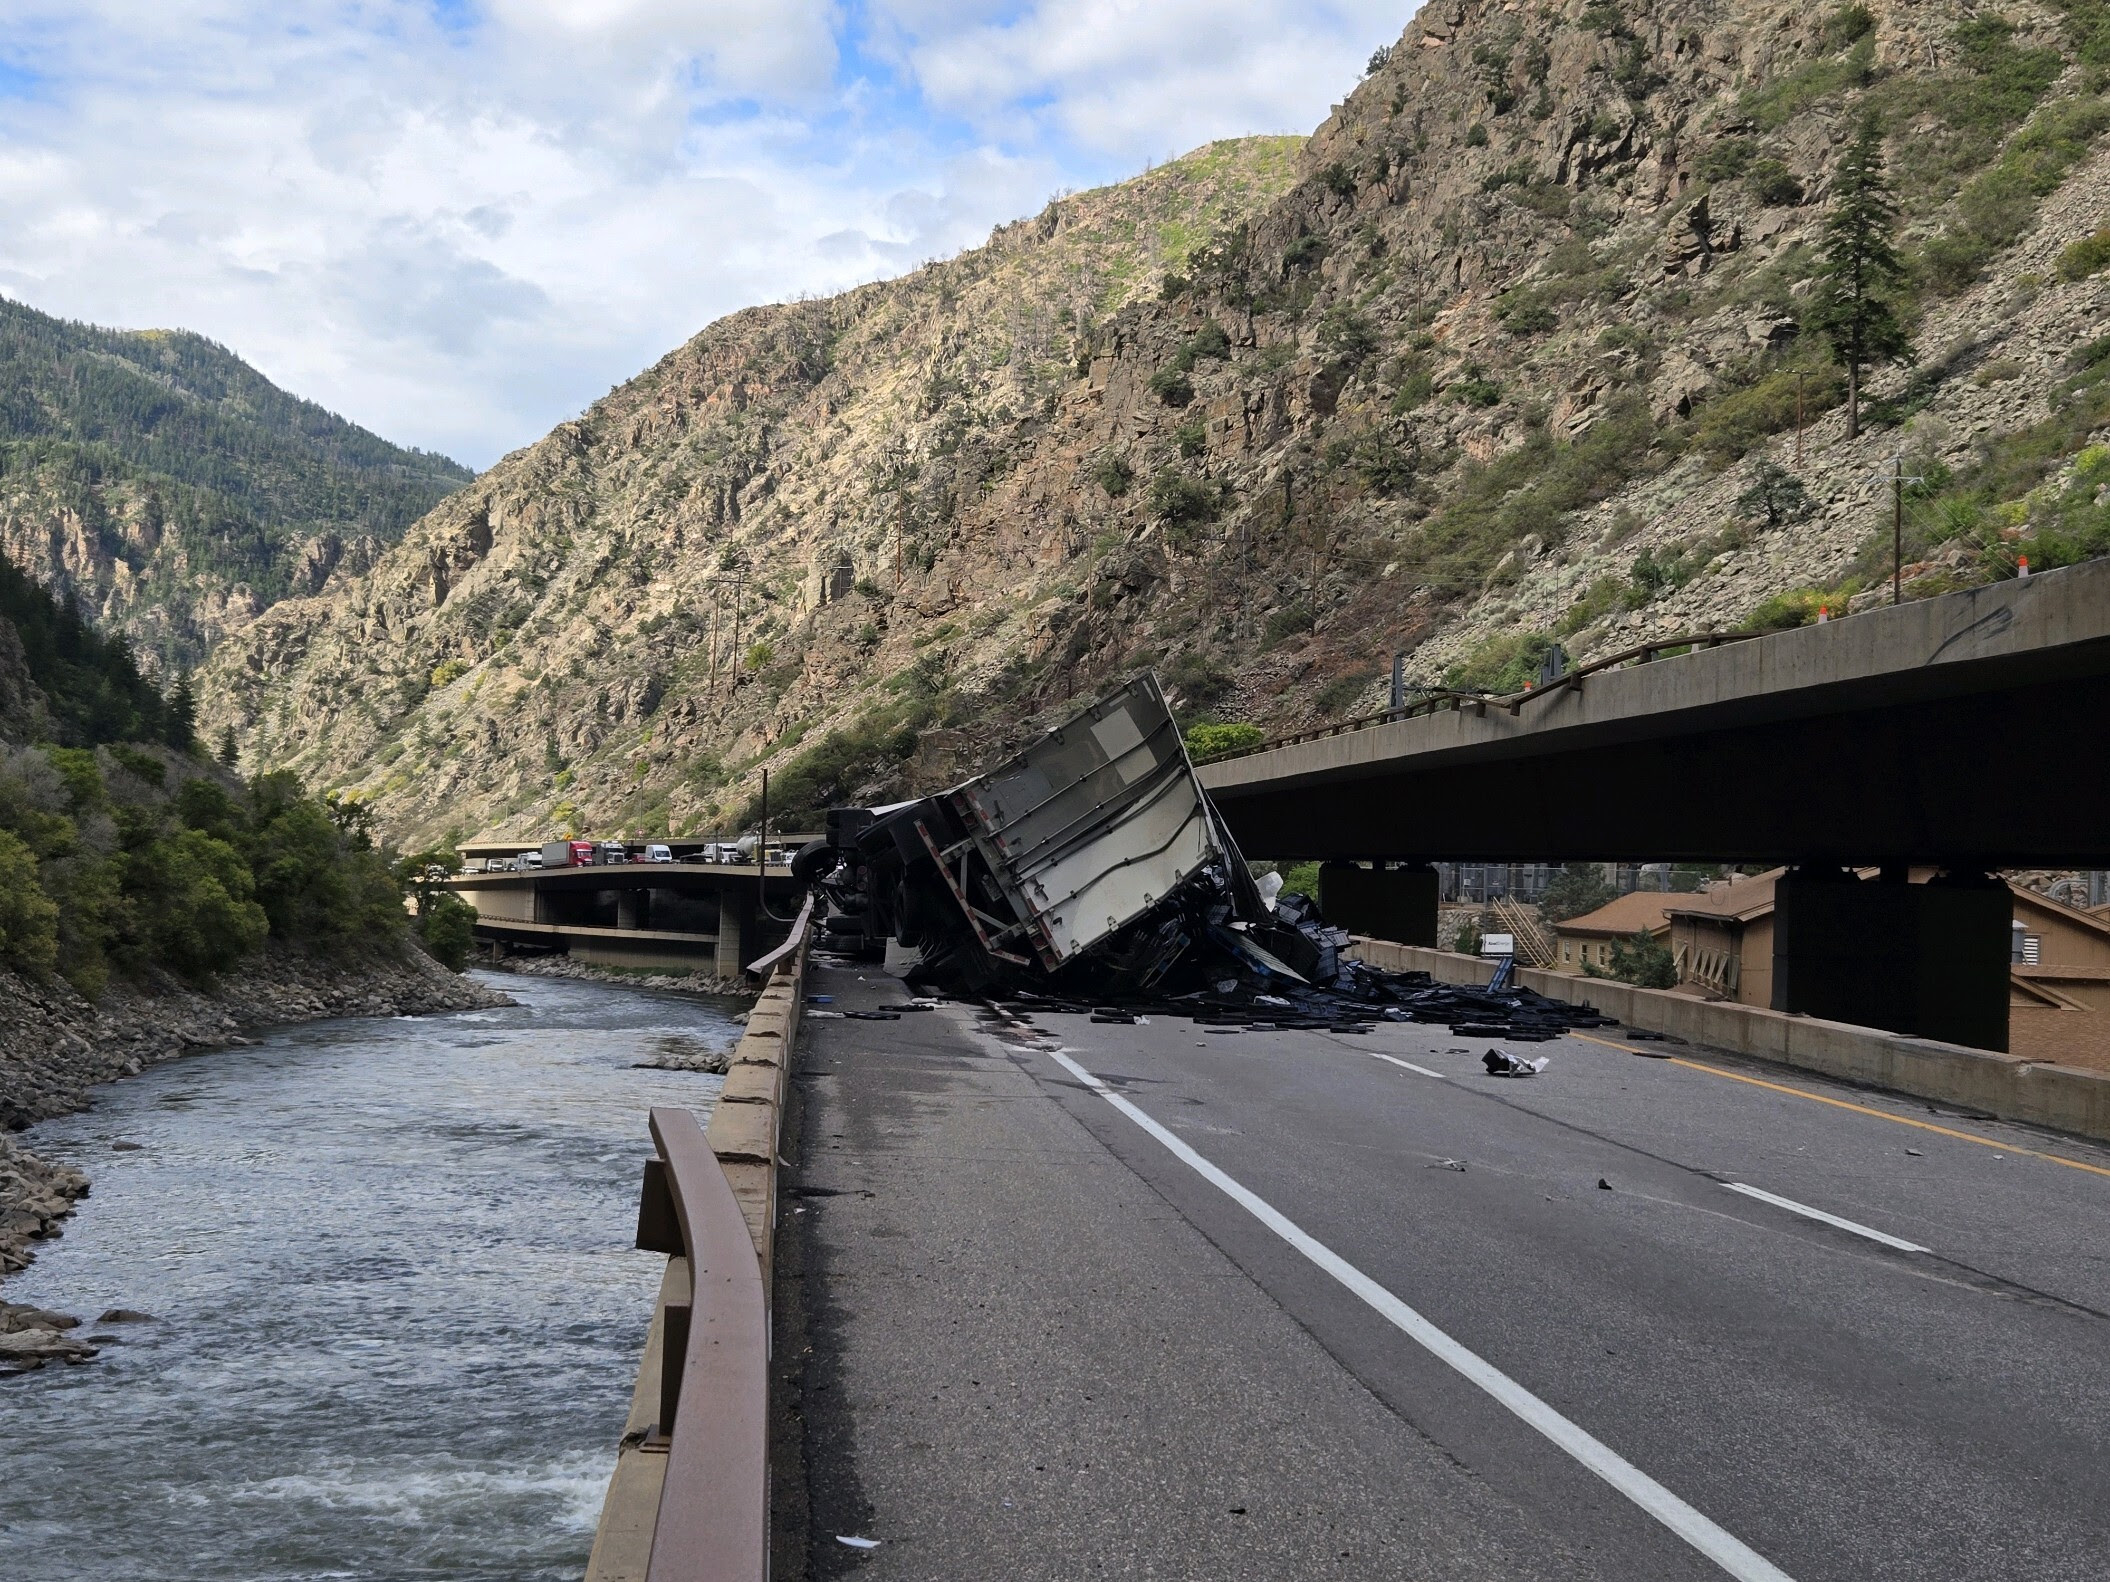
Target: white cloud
458,221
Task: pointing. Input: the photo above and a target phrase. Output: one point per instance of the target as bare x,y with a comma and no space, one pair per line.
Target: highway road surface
1096,1300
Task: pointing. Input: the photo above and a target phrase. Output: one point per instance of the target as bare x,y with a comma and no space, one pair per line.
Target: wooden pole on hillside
1897,530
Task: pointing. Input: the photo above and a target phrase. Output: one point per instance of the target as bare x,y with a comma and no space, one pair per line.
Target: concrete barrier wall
2002,1085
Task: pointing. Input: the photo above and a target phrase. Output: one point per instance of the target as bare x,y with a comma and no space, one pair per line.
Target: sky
459,222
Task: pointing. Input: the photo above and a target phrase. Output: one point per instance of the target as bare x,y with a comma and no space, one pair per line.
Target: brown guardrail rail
793,942
689,1498
713,1421
1446,700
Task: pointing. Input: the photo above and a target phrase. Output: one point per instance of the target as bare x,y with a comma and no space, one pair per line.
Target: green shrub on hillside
1502,664
2090,255
868,752
29,920
2012,501
1180,501
1731,426
1784,612
1772,183
1200,680
1529,490
1775,103
1206,740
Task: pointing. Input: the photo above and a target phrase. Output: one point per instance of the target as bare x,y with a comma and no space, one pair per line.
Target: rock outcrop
1498,353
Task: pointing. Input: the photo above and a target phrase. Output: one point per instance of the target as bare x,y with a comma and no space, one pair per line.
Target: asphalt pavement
1091,1299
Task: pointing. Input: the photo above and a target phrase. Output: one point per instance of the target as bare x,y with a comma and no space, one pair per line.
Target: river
397,1312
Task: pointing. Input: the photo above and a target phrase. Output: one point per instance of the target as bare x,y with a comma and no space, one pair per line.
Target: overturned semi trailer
1092,860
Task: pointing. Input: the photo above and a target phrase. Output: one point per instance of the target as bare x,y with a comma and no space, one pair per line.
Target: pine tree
180,723
1854,311
230,752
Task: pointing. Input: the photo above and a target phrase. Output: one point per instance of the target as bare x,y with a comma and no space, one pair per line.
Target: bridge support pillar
633,909
736,929
1930,960
1396,903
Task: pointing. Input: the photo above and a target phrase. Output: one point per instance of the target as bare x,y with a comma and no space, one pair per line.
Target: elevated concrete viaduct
1970,732
674,915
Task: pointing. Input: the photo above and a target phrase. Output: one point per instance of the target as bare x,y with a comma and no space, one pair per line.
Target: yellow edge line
1858,1109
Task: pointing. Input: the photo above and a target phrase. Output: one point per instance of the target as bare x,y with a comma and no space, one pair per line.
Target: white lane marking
1407,1065
1725,1549
1807,1212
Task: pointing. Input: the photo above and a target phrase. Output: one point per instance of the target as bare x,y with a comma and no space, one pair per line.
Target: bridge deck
1045,1346
1973,727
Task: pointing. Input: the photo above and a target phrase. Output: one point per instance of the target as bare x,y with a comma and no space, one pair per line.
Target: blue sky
460,221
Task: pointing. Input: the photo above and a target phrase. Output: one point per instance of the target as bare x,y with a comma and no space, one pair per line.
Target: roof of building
1738,899
1623,916
2094,922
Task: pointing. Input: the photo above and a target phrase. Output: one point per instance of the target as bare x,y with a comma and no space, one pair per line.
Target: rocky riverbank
565,967
55,1047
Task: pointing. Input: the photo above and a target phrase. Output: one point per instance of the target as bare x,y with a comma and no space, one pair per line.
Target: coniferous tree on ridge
1854,310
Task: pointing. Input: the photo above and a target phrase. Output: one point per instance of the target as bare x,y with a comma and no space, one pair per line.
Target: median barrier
2005,1086
689,1499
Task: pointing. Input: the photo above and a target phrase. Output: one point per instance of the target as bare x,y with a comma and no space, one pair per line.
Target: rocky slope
55,1047
172,492
1499,355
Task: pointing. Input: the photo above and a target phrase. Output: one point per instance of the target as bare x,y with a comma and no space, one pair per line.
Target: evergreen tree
1578,888
230,752
180,723
1853,310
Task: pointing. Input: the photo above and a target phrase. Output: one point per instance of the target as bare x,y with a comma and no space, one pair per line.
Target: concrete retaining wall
2002,1085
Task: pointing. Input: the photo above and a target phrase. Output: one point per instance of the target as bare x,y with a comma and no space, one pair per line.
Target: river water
397,1312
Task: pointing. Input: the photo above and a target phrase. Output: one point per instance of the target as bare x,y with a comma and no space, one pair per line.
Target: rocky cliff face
173,493
1510,349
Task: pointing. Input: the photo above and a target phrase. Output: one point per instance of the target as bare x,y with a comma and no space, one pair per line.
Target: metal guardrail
713,1425
1448,700
764,965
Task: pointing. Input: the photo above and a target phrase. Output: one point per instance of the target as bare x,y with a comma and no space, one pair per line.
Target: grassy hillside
172,490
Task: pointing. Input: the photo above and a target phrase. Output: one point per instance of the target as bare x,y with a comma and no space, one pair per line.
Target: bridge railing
1450,700
712,1424
689,1500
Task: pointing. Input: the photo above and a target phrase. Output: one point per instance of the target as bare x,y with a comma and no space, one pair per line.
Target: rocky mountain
169,490
1521,346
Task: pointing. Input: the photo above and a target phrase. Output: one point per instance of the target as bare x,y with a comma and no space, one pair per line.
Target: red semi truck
568,854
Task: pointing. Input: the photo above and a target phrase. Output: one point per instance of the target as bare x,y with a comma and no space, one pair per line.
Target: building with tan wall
2058,1004
1722,942
1587,941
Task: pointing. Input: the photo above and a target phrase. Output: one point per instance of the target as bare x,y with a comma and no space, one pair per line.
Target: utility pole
1897,478
1897,530
1799,377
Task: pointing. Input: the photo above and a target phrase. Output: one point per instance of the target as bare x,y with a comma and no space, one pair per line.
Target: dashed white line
1724,1548
1807,1212
1407,1065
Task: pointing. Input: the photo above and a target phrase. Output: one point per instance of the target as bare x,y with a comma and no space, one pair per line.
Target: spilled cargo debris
1090,873
1501,1063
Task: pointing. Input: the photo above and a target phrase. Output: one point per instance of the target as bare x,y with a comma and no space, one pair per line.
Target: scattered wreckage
1091,872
